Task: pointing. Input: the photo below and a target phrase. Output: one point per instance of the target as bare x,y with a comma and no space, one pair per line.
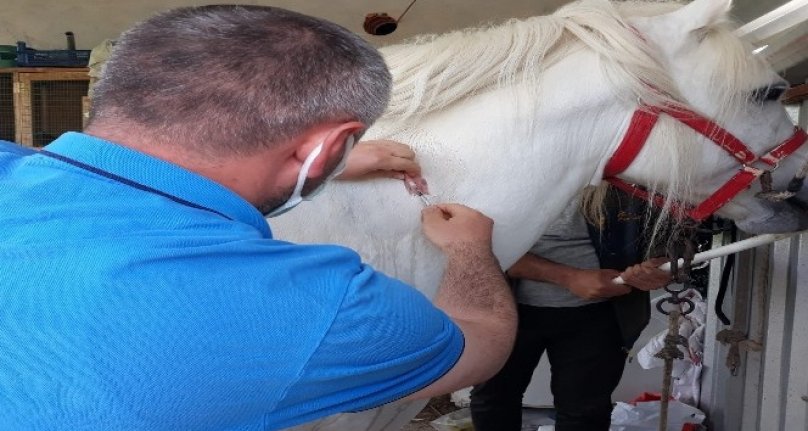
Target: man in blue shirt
141,286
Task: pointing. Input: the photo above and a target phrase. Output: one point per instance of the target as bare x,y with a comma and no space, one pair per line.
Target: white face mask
296,197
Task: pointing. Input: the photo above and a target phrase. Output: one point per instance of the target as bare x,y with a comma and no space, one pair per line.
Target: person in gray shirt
563,296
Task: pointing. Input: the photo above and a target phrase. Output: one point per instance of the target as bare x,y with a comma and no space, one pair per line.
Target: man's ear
333,137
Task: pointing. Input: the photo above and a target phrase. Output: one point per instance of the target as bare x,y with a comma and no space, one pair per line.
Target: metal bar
755,319
714,376
796,408
774,22
774,377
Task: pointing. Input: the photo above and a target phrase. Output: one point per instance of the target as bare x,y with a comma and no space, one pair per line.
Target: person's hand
451,226
380,158
594,283
647,275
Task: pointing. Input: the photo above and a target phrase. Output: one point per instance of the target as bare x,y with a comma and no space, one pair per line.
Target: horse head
716,81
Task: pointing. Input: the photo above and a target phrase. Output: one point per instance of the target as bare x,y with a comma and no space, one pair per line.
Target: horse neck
521,162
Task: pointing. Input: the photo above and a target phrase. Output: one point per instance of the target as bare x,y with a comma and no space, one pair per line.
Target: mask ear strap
346,151
304,170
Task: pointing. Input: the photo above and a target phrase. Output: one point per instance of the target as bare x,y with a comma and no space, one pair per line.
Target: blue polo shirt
136,295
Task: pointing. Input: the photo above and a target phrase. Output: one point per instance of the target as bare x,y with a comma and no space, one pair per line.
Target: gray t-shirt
567,242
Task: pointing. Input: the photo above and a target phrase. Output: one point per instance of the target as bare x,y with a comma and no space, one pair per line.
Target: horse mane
432,72
449,67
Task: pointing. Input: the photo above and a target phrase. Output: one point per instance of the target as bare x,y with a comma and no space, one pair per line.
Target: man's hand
647,275
451,226
380,158
594,283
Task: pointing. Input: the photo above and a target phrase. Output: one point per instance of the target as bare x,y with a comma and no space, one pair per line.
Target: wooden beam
796,94
42,69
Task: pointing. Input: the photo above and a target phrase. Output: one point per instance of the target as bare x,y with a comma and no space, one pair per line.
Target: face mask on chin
297,197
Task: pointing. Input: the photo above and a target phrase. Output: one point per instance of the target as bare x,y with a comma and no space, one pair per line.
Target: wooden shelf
796,94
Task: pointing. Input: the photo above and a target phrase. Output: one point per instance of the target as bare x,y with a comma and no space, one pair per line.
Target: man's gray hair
237,79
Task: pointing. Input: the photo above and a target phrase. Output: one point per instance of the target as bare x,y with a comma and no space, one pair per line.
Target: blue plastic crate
28,57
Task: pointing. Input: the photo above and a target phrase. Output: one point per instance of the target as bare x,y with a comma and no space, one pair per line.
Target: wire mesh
6,106
56,107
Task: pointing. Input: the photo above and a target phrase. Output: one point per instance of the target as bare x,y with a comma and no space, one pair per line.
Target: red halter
643,121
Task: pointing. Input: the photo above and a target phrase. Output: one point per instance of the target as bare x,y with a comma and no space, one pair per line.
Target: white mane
434,71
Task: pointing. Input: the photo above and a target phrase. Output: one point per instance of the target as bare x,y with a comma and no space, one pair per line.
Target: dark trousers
586,357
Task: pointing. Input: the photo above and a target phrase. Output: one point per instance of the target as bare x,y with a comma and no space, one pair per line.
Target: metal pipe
735,247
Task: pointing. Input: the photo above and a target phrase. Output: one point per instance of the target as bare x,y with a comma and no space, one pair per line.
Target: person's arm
584,283
591,283
473,293
380,158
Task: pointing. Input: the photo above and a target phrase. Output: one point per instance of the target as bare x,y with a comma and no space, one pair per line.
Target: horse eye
769,93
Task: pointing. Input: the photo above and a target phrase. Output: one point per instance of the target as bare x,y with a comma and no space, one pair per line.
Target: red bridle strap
642,123
640,127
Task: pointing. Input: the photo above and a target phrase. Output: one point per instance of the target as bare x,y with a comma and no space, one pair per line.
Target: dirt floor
436,408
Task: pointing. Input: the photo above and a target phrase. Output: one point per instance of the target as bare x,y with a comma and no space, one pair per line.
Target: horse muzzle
790,215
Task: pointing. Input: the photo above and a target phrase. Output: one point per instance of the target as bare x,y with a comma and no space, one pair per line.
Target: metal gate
768,302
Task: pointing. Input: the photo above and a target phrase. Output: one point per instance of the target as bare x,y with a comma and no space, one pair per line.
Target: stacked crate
39,104
48,104
6,106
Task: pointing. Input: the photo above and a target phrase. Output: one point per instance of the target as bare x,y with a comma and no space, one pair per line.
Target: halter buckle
755,171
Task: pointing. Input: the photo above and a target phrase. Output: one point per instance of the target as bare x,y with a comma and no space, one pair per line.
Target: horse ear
684,25
700,14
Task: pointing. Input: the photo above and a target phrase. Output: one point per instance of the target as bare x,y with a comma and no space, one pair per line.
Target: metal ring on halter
690,306
700,265
769,194
673,291
674,270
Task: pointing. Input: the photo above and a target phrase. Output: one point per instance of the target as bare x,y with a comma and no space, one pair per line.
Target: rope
733,337
669,352
684,248
405,11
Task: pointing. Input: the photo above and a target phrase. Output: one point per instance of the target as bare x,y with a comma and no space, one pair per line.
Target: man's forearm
474,287
475,294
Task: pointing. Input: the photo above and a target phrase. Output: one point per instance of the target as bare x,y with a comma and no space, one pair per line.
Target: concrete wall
42,23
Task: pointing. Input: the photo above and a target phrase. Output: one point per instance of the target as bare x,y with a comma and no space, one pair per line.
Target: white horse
515,120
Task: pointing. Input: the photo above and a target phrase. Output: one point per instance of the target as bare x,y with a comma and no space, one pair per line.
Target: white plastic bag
459,420
686,372
462,398
644,416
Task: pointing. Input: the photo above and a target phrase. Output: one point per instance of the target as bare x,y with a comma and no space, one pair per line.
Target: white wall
42,23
